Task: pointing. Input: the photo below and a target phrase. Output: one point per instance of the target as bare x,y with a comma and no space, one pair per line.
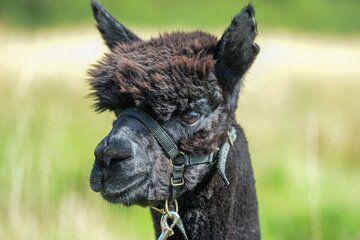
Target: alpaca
175,141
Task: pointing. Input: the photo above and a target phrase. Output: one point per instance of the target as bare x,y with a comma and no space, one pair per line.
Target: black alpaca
188,84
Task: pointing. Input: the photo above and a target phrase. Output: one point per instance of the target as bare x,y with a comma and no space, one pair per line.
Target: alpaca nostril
112,151
115,156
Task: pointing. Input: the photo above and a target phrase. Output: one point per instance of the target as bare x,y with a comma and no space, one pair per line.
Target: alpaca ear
236,51
111,30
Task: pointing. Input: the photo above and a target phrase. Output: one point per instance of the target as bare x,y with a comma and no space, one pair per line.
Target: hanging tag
221,165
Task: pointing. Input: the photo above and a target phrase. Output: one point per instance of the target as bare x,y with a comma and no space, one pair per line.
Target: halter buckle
177,184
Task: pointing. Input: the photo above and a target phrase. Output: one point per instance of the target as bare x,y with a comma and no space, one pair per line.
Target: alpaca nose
114,153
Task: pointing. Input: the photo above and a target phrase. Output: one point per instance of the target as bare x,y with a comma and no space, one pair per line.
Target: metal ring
171,161
161,211
167,208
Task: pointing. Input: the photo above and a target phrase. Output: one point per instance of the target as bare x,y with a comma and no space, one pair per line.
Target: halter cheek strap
158,132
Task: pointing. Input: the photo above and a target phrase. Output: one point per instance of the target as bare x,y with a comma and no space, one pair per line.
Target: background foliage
299,109
320,15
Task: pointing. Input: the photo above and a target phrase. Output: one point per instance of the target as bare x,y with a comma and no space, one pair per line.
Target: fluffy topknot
162,75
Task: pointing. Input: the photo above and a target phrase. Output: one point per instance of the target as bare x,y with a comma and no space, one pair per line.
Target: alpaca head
188,82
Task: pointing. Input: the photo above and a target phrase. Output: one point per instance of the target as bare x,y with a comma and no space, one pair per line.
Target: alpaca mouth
126,195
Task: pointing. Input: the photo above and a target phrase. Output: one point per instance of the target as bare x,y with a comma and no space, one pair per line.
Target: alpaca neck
214,211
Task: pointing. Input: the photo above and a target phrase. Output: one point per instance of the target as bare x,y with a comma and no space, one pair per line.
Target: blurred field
299,108
318,16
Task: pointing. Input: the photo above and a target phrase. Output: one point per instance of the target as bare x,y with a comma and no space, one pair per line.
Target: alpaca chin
128,195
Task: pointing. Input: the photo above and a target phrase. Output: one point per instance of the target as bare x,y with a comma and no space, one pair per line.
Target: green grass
303,134
305,150
46,149
303,143
319,16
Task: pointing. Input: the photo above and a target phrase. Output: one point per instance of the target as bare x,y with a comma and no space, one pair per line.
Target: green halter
178,158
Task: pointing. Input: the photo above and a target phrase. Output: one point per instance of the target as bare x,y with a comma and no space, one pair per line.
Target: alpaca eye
190,117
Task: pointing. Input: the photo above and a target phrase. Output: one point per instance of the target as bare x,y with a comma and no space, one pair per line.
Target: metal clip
166,230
